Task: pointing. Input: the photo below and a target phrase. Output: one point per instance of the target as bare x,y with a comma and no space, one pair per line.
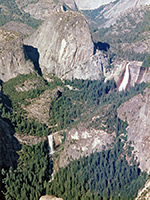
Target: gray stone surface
90,5
136,112
12,57
65,47
81,141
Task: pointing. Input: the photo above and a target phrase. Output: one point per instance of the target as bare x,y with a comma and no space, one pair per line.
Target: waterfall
125,80
50,142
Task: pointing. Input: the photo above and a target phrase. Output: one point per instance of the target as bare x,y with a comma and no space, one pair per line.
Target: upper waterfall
125,80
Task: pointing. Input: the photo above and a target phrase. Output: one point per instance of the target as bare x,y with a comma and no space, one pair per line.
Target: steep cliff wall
137,113
12,57
8,145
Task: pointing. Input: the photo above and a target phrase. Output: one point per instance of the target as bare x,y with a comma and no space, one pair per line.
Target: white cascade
125,80
50,142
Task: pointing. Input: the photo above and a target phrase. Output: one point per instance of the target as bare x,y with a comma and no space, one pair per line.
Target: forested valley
110,174
36,105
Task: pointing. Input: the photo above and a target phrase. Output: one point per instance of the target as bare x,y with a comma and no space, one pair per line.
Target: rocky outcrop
144,194
40,107
64,48
81,141
43,8
49,197
12,57
137,113
18,28
72,4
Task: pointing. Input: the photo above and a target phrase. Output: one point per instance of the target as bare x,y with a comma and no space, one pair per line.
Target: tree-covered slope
100,175
105,175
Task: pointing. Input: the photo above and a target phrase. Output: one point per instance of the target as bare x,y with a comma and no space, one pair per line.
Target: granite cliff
137,113
64,48
12,57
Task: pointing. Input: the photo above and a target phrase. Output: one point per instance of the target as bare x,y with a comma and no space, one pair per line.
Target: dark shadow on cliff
9,145
102,46
33,54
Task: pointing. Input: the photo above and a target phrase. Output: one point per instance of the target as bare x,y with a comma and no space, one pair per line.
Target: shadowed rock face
137,113
8,145
65,46
72,4
33,54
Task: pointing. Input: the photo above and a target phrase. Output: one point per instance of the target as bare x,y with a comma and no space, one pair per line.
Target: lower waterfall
50,143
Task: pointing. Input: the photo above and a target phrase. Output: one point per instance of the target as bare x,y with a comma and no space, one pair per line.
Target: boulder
49,197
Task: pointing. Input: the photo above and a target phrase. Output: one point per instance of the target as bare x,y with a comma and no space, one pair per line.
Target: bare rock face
65,46
12,57
82,142
136,112
49,197
90,5
120,6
